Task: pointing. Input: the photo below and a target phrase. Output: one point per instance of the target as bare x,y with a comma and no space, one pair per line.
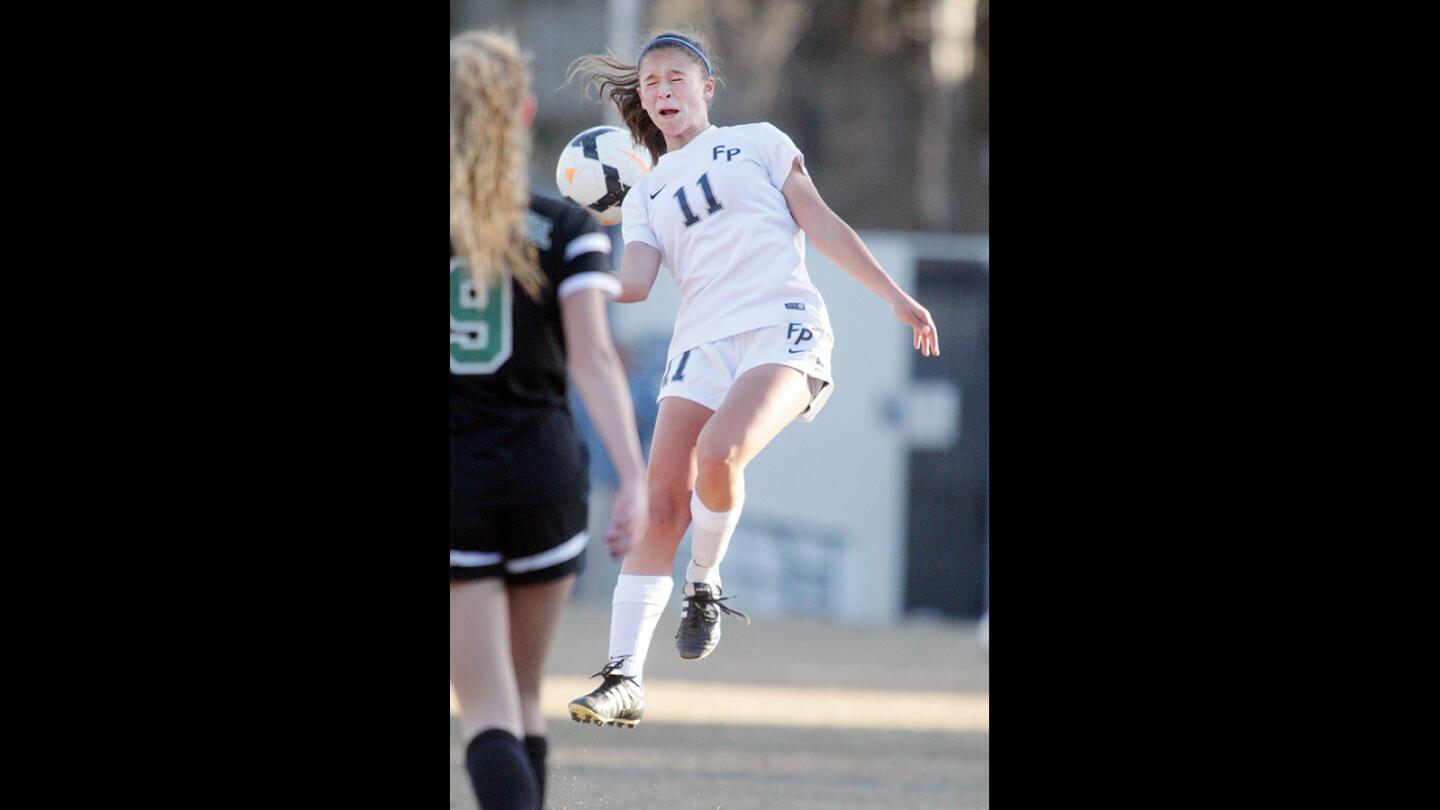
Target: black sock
500,772
536,747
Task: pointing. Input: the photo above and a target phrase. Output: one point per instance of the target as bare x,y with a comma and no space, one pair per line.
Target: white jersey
715,212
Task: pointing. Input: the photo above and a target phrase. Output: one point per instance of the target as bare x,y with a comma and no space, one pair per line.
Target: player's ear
527,111
709,88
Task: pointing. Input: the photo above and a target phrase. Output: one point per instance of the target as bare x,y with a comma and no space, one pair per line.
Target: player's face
676,93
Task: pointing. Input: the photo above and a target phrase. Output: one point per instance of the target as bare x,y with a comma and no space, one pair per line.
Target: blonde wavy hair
489,152
607,75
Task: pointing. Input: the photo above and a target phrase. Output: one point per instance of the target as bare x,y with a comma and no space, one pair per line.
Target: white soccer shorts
705,373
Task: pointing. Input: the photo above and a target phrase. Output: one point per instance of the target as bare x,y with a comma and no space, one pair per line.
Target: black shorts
524,544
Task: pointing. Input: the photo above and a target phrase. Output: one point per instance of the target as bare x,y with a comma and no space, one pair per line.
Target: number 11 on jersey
690,218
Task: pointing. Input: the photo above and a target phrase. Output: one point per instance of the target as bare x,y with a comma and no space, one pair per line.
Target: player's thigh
535,612
481,669
758,406
671,471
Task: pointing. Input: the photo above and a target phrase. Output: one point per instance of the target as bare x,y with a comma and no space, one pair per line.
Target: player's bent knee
713,447
717,460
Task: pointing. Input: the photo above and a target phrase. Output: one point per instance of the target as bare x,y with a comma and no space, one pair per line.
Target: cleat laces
702,609
609,669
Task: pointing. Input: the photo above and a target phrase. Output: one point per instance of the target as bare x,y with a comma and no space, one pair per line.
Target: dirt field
785,714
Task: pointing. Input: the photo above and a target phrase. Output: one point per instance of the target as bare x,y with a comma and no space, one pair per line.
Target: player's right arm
594,367
639,266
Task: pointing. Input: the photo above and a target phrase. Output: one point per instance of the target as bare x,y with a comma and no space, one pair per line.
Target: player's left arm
841,245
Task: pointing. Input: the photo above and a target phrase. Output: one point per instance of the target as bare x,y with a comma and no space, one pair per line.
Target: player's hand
910,313
629,515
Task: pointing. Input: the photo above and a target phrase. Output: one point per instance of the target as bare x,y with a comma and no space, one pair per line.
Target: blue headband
646,49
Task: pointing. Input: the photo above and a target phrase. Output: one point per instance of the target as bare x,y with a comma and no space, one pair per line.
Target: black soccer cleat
618,701
700,622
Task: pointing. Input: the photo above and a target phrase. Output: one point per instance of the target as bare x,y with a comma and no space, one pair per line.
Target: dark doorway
945,554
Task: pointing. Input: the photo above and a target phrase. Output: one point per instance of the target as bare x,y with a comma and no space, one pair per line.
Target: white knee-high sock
635,610
710,538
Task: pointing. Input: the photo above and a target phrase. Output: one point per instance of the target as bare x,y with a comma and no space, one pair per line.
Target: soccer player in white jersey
727,210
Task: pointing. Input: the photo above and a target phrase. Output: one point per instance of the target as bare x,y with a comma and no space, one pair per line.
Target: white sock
710,538
635,610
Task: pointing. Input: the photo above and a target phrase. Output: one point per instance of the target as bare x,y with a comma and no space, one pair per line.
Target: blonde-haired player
727,210
528,280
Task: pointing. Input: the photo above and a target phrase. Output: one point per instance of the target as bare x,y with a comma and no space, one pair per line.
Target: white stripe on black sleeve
605,282
587,243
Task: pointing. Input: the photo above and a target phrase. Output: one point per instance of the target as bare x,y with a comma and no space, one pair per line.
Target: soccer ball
598,167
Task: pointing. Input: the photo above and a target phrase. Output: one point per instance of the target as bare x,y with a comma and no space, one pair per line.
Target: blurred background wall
878,509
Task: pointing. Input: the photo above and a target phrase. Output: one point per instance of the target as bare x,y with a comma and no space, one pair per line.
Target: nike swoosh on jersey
798,351
657,192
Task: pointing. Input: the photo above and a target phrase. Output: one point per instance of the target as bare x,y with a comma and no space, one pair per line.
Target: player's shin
710,537
635,610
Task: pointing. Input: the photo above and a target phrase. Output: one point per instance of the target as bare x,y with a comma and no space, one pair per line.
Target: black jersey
512,439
